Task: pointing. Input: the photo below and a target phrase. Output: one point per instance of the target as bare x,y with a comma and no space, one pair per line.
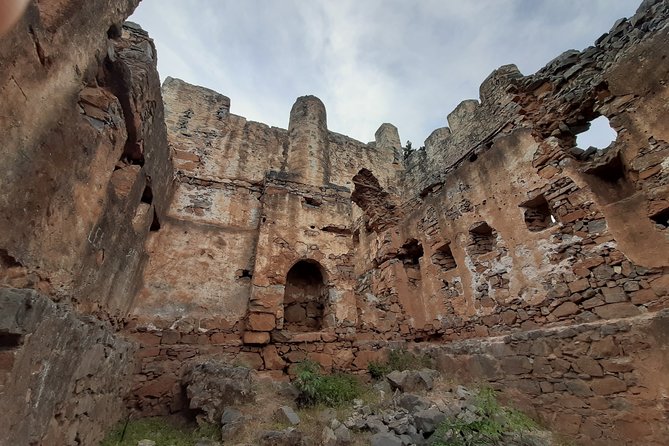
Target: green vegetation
489,424
400,359
160,430
329,390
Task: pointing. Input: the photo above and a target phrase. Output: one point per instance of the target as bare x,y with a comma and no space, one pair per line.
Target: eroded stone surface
500,225
501,248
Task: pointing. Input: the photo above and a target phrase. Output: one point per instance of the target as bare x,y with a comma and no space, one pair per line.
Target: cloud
405,62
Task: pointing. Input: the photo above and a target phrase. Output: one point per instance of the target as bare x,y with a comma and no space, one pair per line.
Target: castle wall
86,178
599,383
248,199
500,232
62,377
502,249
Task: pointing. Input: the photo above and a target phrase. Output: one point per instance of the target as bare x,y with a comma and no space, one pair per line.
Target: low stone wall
601,383
62,376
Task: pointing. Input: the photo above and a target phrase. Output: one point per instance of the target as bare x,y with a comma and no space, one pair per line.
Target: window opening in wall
155,224
443,258
598,136
538,215
482,238
661,219
304,297
10,341
147,195
410,253
356,237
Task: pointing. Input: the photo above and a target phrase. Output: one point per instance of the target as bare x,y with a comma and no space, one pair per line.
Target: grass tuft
329,390
160,430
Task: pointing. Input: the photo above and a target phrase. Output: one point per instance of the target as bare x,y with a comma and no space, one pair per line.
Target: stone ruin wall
414,262
192,229
86,174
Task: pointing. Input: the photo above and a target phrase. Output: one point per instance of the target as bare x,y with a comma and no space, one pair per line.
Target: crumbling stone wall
600,383
250,203
501,247
87,176
82,160
62,377
499,227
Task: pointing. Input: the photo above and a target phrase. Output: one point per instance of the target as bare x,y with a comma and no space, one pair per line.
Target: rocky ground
409,407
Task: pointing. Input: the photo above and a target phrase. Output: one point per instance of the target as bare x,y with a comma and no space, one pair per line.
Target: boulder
427,420
385,439
213,385
412,403
286,437
336,436
412,380
232,422
286,414
328,437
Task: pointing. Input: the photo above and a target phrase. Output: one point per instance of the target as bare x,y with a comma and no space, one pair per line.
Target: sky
407,62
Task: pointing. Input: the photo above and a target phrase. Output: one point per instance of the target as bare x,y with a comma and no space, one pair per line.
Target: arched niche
305,297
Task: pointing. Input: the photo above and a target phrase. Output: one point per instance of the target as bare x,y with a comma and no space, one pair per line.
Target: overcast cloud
407,62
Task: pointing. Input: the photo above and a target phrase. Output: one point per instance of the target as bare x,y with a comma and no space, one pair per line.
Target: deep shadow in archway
304,297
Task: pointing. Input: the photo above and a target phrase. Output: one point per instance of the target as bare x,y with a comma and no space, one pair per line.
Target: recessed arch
305,296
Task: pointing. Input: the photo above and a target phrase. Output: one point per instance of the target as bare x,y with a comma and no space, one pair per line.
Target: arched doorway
305,297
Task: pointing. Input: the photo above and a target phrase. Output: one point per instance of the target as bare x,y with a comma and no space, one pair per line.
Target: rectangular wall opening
443,258
10,341
482,238
661,219
537,214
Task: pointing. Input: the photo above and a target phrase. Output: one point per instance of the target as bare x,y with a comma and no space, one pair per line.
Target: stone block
617,310
643,296
579,285
286,415
272,359
588,366
261,321
170,337
608,385
256,337
364,357
578,387
614,295
427,420
516,365
251,360
565,309
385,439
604,348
